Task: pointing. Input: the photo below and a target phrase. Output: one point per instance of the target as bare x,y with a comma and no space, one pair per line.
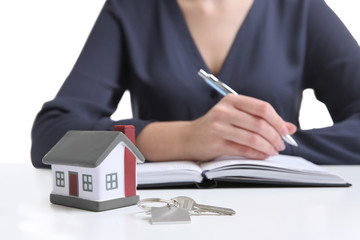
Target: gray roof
88,148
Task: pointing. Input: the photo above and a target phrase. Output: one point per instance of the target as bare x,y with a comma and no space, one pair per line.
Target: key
192,206
170,213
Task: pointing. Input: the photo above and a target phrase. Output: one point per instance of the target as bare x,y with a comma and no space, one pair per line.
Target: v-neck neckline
194,48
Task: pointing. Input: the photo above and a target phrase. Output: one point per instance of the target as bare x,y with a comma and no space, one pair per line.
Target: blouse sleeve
332,69
91,92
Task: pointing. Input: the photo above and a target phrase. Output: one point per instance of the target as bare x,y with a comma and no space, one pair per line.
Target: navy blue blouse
144,46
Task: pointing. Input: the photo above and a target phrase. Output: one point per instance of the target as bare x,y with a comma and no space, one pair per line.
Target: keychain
168,214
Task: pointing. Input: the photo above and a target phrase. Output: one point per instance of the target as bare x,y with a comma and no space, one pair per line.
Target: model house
91,171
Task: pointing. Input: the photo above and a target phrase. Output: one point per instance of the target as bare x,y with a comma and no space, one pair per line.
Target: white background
40,41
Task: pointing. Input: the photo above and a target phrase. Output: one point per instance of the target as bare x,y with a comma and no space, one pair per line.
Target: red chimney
129,161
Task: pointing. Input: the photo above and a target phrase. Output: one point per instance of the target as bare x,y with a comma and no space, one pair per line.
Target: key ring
141,203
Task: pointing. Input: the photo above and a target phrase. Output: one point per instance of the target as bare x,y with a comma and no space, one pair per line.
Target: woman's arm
332,70
237,125
90,93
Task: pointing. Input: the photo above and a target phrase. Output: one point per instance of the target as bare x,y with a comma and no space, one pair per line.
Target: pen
224,89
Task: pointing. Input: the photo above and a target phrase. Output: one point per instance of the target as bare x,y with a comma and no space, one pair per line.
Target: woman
268,51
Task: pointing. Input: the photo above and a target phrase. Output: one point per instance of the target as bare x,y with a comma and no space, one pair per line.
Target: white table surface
261,213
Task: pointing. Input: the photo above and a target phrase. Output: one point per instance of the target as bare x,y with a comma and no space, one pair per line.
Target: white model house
89,170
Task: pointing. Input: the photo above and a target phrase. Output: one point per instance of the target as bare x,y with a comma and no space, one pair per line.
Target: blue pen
224,89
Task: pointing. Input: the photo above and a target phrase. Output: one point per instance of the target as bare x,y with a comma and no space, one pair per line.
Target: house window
87,183
60,179
111,181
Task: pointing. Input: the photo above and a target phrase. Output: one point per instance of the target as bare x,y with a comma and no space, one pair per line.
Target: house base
93,205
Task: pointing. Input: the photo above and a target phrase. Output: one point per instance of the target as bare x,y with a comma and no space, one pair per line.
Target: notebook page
279,161
170,171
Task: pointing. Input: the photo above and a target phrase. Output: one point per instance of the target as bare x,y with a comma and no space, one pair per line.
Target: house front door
73,184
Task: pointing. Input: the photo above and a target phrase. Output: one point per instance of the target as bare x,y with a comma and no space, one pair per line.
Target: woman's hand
238,125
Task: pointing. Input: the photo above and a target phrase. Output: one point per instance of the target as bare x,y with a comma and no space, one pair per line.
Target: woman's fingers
250,139
291,128
260,109
244,126
256,127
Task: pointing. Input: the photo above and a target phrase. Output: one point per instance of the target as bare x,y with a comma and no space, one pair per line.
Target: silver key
193,207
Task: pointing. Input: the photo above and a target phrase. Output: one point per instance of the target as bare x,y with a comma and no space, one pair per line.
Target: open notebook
277,170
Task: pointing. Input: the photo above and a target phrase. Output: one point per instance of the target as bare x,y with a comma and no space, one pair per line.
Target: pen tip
290,140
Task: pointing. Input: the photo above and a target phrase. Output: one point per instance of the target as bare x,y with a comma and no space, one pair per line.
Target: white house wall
114,163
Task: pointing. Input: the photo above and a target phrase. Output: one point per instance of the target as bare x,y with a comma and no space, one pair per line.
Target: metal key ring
141,203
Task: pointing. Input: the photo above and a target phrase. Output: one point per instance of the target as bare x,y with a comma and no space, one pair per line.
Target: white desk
261,213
